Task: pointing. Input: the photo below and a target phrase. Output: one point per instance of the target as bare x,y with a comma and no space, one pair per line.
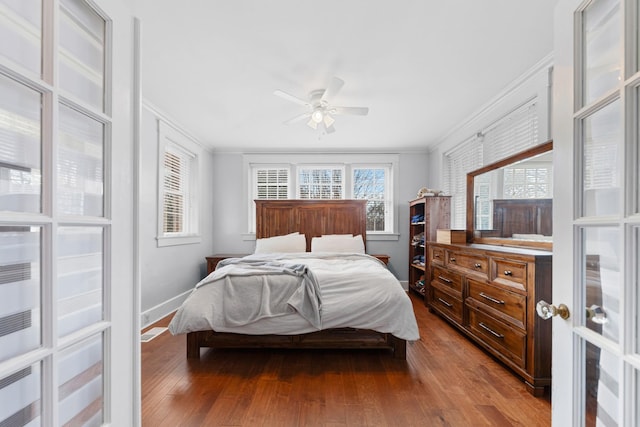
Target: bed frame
311,218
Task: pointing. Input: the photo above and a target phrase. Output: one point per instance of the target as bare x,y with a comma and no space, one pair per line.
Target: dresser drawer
448,279
510,305
436,255
445,303
510,273
470,262
510,342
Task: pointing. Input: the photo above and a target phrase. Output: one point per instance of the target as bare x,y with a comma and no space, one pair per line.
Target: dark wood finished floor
445,381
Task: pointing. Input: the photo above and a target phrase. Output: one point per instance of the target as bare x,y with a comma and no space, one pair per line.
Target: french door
596,350
57,137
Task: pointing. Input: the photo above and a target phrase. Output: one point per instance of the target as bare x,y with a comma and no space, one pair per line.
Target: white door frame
568,335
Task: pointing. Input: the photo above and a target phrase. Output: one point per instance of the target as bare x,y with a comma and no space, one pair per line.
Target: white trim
137,178
164,241
161,310
159,114
487,110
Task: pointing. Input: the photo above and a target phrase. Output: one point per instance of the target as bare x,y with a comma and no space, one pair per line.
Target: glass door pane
601,387
602,132
602,280
21,32
20,394
82,37
20,152
20,311
79,278
80,384
80,164
602,44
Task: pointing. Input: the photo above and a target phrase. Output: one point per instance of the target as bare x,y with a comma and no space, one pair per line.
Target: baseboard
161,310
405,285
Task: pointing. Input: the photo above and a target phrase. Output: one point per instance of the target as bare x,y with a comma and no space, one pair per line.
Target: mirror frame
471,235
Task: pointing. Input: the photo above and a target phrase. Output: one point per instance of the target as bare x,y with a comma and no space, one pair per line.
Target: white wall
230,214
534,83
167,274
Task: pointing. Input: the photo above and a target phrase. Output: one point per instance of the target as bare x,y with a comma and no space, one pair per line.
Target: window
527,182
457,163
178,180
371,184
272,183
320,183
516,131
302,177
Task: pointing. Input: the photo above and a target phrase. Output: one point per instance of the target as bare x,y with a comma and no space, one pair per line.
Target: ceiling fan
319,110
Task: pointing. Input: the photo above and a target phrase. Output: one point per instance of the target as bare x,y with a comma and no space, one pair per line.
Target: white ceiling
420,66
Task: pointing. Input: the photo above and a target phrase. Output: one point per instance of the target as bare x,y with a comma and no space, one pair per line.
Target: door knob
596,314
547,311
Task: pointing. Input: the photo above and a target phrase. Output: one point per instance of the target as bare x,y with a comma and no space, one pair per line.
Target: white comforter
357,291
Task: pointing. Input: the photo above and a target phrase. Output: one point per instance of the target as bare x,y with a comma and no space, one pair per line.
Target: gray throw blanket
256,289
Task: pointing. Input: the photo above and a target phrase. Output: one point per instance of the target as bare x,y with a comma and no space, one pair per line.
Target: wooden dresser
490,294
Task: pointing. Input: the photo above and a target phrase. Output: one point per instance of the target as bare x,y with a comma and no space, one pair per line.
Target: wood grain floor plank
445,381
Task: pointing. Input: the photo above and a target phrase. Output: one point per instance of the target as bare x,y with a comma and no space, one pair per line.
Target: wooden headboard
311,218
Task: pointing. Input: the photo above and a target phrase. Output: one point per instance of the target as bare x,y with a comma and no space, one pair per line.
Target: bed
363,306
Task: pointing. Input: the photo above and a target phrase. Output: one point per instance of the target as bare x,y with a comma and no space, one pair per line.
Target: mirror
510,202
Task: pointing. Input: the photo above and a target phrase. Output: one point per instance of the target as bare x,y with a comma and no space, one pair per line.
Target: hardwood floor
445,381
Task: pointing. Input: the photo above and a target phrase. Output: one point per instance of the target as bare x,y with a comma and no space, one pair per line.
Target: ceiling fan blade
333,88
290,97
357,111
297,118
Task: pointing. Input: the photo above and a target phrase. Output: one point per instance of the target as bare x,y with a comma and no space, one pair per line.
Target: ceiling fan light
328,121
317,116
312,123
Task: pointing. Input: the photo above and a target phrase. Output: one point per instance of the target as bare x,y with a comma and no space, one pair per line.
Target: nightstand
382,257
213,260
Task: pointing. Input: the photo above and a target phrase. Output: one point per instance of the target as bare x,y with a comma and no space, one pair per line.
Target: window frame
170,138
347,162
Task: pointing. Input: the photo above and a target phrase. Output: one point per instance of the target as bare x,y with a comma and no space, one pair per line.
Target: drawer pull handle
444,279
508,273
452,259
492,299
448,304
477,265
491,331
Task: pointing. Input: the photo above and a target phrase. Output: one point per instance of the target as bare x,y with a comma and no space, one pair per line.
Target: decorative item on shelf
418,239
425,192
451,236
417,219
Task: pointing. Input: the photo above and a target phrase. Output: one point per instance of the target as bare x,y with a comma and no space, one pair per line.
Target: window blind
177,165
272,183
457,163
513,133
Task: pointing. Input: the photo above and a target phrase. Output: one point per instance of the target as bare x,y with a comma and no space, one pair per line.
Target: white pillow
294,242
338,243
